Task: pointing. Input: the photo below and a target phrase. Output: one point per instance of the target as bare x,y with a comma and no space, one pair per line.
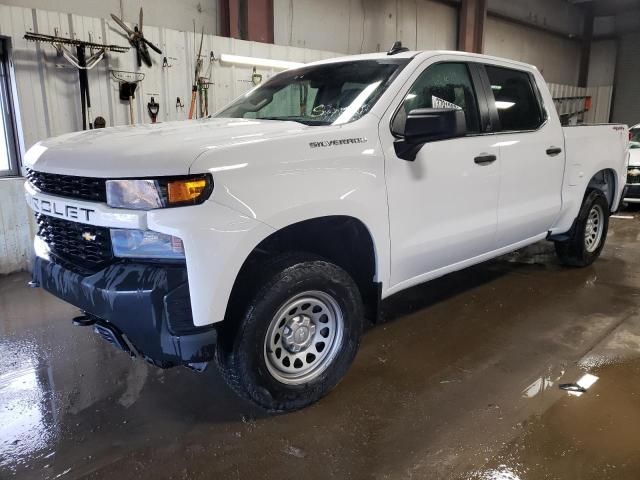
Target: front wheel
297,337
589,232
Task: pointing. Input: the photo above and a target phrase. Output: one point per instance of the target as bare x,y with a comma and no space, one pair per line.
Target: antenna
397,48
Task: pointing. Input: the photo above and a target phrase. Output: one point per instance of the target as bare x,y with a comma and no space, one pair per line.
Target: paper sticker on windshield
440,103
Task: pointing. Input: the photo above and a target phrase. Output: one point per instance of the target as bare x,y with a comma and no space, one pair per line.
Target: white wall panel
176,14
357,26
600,101
557,58
16,227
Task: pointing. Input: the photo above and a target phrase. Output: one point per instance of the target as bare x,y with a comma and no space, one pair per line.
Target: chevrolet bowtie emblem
88,236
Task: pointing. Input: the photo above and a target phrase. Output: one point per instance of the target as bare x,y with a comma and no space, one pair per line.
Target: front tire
589,233
297,337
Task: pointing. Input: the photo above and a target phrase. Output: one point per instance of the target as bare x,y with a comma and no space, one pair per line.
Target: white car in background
633,176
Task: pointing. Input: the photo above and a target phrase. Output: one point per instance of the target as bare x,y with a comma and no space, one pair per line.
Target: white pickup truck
264,236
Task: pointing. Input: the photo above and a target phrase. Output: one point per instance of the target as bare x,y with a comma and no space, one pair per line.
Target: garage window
517,105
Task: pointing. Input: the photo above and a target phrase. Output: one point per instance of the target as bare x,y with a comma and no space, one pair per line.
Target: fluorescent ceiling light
258,62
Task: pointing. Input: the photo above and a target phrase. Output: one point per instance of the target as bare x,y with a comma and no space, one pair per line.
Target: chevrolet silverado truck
263,237
633,177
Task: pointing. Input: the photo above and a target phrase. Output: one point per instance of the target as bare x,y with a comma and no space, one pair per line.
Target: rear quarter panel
590,149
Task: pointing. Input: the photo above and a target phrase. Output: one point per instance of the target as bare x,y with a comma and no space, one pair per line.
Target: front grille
81,188
633,175
80,247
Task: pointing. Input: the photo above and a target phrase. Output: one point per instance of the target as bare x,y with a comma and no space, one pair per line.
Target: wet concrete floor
460,381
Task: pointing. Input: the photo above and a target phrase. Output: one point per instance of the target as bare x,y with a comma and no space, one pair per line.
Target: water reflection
26,409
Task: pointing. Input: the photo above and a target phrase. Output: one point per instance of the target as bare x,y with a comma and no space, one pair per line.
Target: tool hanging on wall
137,41
128,82
153,107
256,78
198,67
203,87
80,61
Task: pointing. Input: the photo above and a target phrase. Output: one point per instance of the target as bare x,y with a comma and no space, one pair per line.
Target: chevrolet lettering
61,209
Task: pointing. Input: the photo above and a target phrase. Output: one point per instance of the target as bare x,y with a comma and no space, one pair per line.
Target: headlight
128,243
147,194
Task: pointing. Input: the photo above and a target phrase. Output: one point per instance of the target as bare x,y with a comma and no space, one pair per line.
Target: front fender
217,240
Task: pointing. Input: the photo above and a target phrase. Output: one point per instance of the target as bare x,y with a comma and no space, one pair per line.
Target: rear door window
515,99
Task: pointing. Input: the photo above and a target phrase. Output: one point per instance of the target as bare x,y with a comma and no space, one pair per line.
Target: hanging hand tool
204,82
137,41
153,107
128,82
80,61
194,88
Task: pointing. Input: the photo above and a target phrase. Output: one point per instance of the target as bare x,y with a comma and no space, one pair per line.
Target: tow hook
84,321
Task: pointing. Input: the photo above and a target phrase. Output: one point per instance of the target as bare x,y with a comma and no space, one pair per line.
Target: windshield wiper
298,120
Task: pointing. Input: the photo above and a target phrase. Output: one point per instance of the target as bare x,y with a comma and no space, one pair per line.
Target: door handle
485,159
553,151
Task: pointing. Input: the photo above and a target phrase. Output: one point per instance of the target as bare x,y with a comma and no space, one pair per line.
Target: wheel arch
342,239
606,181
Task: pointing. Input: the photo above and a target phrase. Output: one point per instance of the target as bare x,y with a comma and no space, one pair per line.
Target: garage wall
48,92
557,15
16,230
626,106
556,57
360,26
160,13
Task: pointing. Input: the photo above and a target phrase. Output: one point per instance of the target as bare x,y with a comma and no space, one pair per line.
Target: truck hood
148,150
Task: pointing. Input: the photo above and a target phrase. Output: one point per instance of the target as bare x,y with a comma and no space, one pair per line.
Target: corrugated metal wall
600,101
48,88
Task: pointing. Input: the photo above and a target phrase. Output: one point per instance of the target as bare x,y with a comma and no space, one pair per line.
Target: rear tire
589,232
297,337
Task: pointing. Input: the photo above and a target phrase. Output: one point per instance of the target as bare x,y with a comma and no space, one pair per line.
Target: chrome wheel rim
303,338
593,229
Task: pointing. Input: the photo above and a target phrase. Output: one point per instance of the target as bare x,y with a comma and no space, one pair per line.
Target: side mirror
427,125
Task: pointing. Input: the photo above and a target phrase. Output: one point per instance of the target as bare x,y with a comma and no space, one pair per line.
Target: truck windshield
327,94
635,138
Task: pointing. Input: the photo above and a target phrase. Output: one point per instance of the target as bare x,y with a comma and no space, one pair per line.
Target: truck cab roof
422,55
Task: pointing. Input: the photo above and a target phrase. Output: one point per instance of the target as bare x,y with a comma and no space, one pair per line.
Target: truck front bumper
143,308
632,193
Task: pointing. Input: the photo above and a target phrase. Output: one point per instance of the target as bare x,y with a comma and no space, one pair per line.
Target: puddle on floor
595,436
